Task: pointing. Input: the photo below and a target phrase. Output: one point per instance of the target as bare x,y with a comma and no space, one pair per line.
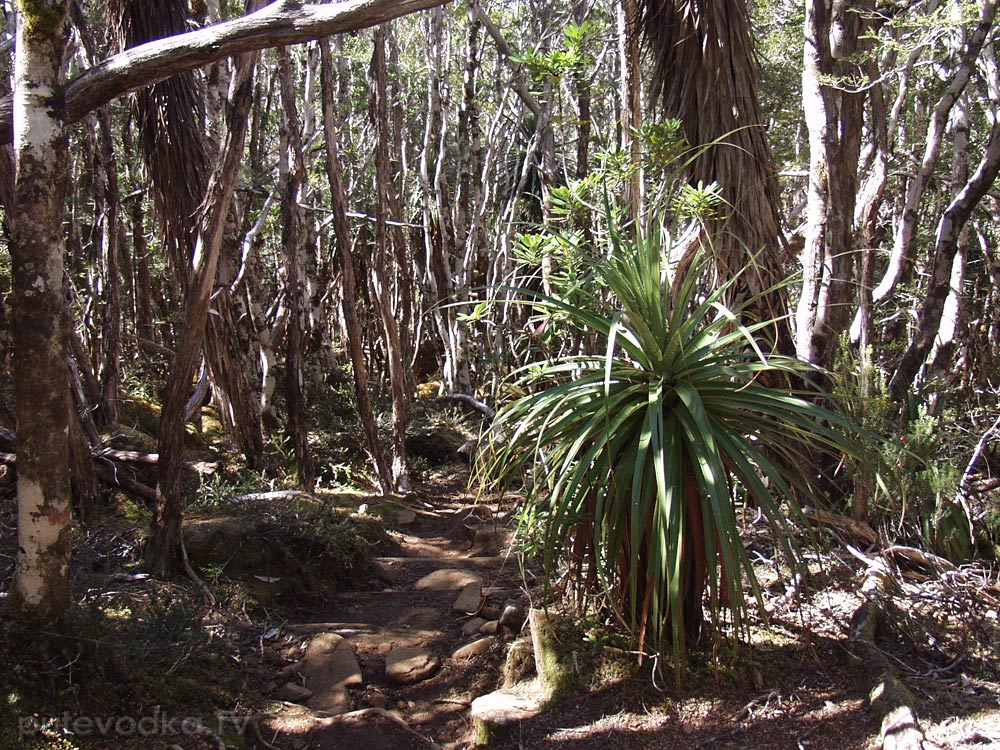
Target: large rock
408,665
227,541
495,714
476,648
447,579
470,599
437,444
473,626
330,668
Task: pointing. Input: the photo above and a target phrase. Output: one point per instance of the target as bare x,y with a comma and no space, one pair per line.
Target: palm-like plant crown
632,460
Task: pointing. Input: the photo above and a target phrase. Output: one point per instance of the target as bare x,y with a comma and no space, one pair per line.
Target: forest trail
397,662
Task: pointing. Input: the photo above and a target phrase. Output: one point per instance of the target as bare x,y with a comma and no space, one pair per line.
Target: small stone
490,611
411,664
290,670
489,627
377,700
293,693
386,571
268,687
512,617
473,626
477,647
470,598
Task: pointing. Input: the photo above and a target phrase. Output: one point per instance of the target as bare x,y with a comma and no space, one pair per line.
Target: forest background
286,224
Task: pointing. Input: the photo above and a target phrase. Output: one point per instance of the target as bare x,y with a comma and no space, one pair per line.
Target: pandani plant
634,460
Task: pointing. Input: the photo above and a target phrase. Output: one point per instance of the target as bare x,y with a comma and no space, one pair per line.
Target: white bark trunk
41,584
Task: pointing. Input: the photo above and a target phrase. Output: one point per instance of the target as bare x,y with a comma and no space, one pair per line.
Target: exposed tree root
889,699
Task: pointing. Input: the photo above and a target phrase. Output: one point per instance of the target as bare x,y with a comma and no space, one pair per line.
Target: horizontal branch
472,402
280,23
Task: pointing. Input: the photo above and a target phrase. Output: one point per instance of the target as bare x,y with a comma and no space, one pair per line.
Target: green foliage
663,143
701,202
572,59
631,460
912,486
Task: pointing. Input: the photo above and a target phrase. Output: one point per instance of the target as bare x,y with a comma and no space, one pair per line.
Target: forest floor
393,655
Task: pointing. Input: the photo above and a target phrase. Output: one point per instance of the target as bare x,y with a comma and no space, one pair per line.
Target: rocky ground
407,654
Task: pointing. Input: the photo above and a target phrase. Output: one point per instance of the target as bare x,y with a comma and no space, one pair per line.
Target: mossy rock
121,436
140,413
284,547
229,542
437,444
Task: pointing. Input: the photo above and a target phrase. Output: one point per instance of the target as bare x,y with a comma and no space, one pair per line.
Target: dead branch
280,23
889,699
108,474
898,556
859,529
472,402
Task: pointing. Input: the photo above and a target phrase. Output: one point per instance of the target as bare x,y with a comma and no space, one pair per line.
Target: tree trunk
834,117
342,231
165,530
901,258
174,147
111,328
382,257
41,583
944,343
704,73
293,165
948,235
628,44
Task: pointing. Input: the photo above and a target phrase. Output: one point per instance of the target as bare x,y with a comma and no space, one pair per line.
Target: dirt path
397,662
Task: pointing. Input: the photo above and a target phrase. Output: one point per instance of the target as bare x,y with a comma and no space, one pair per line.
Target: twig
257,735
206,592
110,475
